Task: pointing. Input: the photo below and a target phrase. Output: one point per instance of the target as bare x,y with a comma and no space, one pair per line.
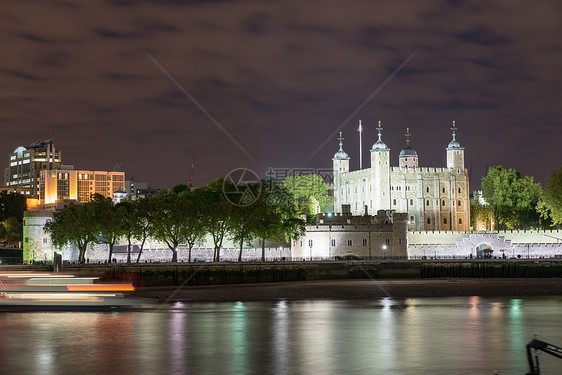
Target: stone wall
464,244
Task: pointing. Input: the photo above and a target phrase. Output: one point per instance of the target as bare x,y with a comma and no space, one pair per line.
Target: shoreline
356,290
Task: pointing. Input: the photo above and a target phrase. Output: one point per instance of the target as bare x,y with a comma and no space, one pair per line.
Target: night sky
143,85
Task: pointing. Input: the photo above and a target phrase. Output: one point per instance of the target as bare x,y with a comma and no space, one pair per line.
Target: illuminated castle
435,198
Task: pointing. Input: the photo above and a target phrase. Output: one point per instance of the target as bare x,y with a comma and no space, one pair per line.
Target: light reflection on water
469,335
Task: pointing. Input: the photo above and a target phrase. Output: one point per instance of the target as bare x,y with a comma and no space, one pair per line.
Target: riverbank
357,289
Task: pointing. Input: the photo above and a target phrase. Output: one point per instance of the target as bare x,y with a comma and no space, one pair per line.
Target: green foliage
108,219
74,224
480,212
3,232
13,229
12,205
550,205
510,196
310,190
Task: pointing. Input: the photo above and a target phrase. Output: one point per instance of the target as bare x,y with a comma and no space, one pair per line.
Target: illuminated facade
435,198
61,184
26,164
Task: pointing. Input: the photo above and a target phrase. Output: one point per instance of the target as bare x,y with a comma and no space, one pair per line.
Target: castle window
411,202
460,221
459,190
364,242
443,189
310,243
443,203
412,219
371,204
333,242
444,220
427,202
349,242
427,189
394,202
428,220
459,203
356,190
387,241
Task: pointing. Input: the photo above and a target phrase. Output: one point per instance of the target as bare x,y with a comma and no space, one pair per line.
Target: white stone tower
380,174
455,153
341,165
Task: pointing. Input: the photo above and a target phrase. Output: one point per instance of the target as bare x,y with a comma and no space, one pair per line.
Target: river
465,335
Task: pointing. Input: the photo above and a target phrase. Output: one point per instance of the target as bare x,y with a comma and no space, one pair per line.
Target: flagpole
360,130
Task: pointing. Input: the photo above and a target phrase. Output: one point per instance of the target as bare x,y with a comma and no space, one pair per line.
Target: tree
218,212
12,205
168,220
310,190
194,225
109,221
550,205
130,223
13,229
3,232
144,211
509,195
74,224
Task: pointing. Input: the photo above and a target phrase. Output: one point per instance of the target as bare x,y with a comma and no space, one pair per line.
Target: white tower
380,174
341,165
455,153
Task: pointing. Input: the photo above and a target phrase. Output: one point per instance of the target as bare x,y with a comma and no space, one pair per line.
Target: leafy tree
109,221
130,223
194,224
12,205
168,220
309,190
509,195
74,224
218,218
3,232
550,205
13,229
144,211
480,212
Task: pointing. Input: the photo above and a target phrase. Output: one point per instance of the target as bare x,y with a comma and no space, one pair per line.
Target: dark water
415,336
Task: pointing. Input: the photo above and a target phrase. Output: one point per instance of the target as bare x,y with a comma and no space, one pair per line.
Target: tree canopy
510,196
550,205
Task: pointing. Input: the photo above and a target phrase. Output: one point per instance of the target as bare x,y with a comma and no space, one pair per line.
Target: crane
542,346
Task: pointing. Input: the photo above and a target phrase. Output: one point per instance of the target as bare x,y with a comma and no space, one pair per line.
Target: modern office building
80,185
26,164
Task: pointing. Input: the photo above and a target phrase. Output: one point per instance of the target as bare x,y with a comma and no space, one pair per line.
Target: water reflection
413,336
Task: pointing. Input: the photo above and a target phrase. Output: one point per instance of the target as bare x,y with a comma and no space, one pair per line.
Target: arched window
427,189
459,203
412,219
443,203
427,202
459,190
460,221
394,202
411,202
443,189
444,220
428,220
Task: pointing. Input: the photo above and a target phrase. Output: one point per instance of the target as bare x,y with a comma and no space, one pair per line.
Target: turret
455,153
340,165
408,156
380,173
